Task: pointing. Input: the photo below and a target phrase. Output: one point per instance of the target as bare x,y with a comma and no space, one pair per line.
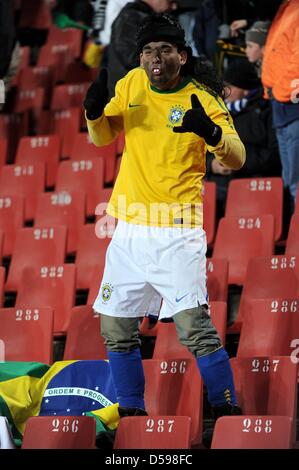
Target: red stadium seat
78,72
30,78
24,57
3,151
69,95
34,77
64,123
27,334
217,279
84,149
13,124
167,344
240,238
30,99
256,196
35,14
266,386
209,210
174,387
253,432
84,175
219,316
2,280
1,244
41,148
148,327
105,194
70,36
24,180
91,252
11,219
268,277
83,340
35,247
67,124
62,208
292,242
270,327
153,432
52,286
96,279
58,57
12,127
59,432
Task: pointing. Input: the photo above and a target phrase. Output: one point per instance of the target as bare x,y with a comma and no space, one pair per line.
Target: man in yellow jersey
171,111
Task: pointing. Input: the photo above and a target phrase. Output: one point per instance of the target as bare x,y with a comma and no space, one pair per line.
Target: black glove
96,96
196,120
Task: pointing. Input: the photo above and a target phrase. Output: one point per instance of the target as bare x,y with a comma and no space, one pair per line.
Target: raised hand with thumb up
96,96
196,120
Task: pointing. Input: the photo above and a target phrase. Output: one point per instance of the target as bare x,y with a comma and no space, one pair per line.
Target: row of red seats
79,188
41,284
59,229
49,149
274,277
258,193
245,231
37,98
266,388
270,326
159,432
66,124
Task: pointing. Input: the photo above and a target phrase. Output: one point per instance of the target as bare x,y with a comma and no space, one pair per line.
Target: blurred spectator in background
7,35
122,51
205,31
105,12
280,77
259,11
253,121
95,54
99,16
76,10
219,19
255,43
9,47
112,10
186,17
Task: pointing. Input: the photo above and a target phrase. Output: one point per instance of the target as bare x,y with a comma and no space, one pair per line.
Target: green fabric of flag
65,388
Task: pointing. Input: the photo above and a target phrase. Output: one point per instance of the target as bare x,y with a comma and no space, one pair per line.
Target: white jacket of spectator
112,10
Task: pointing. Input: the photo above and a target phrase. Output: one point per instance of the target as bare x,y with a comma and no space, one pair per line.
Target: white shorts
147,264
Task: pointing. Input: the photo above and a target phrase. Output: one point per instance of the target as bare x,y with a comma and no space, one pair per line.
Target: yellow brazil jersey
160,177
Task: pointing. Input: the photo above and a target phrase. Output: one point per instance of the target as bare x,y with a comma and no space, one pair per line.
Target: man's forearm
100,131
230,151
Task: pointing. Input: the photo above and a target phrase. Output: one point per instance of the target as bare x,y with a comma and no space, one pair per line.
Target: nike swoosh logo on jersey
133,105
180,298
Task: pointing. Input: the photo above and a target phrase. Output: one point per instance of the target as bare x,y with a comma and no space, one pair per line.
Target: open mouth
156,71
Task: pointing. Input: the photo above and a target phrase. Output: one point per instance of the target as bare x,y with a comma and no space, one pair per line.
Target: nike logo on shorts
178,299
133,105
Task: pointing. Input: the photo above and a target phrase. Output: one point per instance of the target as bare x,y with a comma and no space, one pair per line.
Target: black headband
167,32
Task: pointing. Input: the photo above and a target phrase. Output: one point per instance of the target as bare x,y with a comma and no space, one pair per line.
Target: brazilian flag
65,388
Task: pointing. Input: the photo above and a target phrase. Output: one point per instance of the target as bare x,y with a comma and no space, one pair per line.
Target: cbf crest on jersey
107,290
176,114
